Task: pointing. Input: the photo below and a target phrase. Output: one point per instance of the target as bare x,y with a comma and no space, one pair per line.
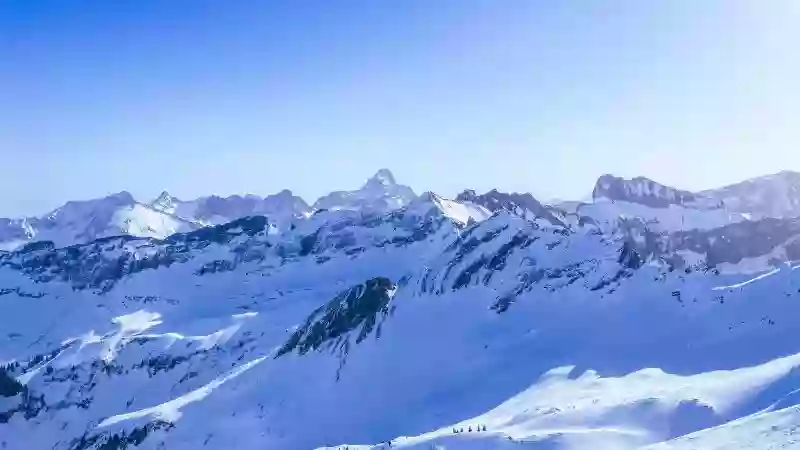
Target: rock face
480,313
647,192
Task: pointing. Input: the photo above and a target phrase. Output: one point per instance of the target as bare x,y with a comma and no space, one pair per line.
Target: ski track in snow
171,410
745,283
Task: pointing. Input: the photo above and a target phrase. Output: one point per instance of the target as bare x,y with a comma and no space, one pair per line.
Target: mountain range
120,214
613,198
647,318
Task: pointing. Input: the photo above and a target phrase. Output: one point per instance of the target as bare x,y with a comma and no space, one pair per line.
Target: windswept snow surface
368,326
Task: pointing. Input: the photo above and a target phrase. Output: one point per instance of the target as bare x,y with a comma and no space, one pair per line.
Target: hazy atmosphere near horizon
542,97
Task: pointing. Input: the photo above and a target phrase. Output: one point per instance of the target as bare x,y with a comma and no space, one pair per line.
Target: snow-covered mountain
120,214
662,207
523,205
85,221
614,200
213,210
669,209
485,322
380,193
431,321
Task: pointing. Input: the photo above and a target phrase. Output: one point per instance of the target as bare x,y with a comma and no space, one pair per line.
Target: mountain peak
163,198
380,193
382,177
165,203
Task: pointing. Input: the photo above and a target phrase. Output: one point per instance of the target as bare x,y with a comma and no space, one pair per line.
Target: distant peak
164,201
163,196
382,177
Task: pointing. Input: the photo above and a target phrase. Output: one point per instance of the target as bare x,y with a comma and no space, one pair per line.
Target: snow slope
570,408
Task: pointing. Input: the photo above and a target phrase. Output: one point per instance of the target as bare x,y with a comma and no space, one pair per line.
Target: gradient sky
201,97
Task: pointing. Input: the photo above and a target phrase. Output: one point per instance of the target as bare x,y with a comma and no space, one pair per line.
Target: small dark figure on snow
470,429
484,428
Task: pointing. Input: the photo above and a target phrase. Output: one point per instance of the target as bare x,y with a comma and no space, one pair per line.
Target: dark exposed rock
9,386
121,440
360,309
728,244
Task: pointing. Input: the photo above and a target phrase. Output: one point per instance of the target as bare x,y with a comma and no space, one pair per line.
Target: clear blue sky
201,97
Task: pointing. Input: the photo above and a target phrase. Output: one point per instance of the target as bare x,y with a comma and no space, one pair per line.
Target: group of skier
469,429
